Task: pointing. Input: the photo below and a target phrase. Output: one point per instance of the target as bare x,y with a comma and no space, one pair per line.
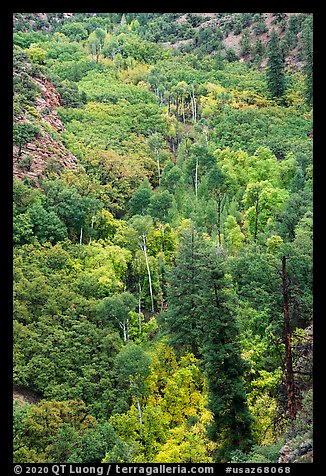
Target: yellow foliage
135,75
243,99
263,411
263,406
214,89
187,444
273,243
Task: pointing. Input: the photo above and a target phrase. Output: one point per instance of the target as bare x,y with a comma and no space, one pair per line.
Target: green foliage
204,321
141,198
24,40
131,46
159,205
75,31
108,90
133,366
245,43
23,133
69,94
193,179
47,225
60,432
275,67
36,55
308,56
118,308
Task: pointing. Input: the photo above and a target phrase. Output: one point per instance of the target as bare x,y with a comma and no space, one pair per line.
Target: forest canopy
162,233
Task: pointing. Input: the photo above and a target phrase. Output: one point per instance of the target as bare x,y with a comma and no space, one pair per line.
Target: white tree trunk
143,247
92,227
139,411
124,327
140,415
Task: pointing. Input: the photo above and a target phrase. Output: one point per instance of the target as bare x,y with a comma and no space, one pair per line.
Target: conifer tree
182,319
245,43
224,366
258,53
275,67
200,315
308,59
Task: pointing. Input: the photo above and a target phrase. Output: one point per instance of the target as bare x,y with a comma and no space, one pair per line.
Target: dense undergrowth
149,281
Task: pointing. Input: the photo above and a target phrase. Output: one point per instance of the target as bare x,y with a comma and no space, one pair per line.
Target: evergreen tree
223,363
308,59
200,314
275,67
260,26
182,318
258,52
245,43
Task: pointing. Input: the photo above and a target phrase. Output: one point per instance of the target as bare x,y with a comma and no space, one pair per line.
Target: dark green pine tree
245,43
224,366
200,318
258,53
182,320
275,67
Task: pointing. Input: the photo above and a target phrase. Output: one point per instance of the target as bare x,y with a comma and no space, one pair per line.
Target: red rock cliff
45,152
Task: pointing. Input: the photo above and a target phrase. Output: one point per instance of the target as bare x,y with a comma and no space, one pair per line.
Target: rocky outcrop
24,395
47,103
303,362
46,153
302,453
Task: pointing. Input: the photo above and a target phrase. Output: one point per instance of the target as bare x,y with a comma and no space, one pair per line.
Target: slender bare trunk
92,227
81,236
125,333
144,249
287,338
140,416
206,136
124,326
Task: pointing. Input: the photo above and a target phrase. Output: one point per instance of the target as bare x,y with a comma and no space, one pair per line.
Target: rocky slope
46,153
